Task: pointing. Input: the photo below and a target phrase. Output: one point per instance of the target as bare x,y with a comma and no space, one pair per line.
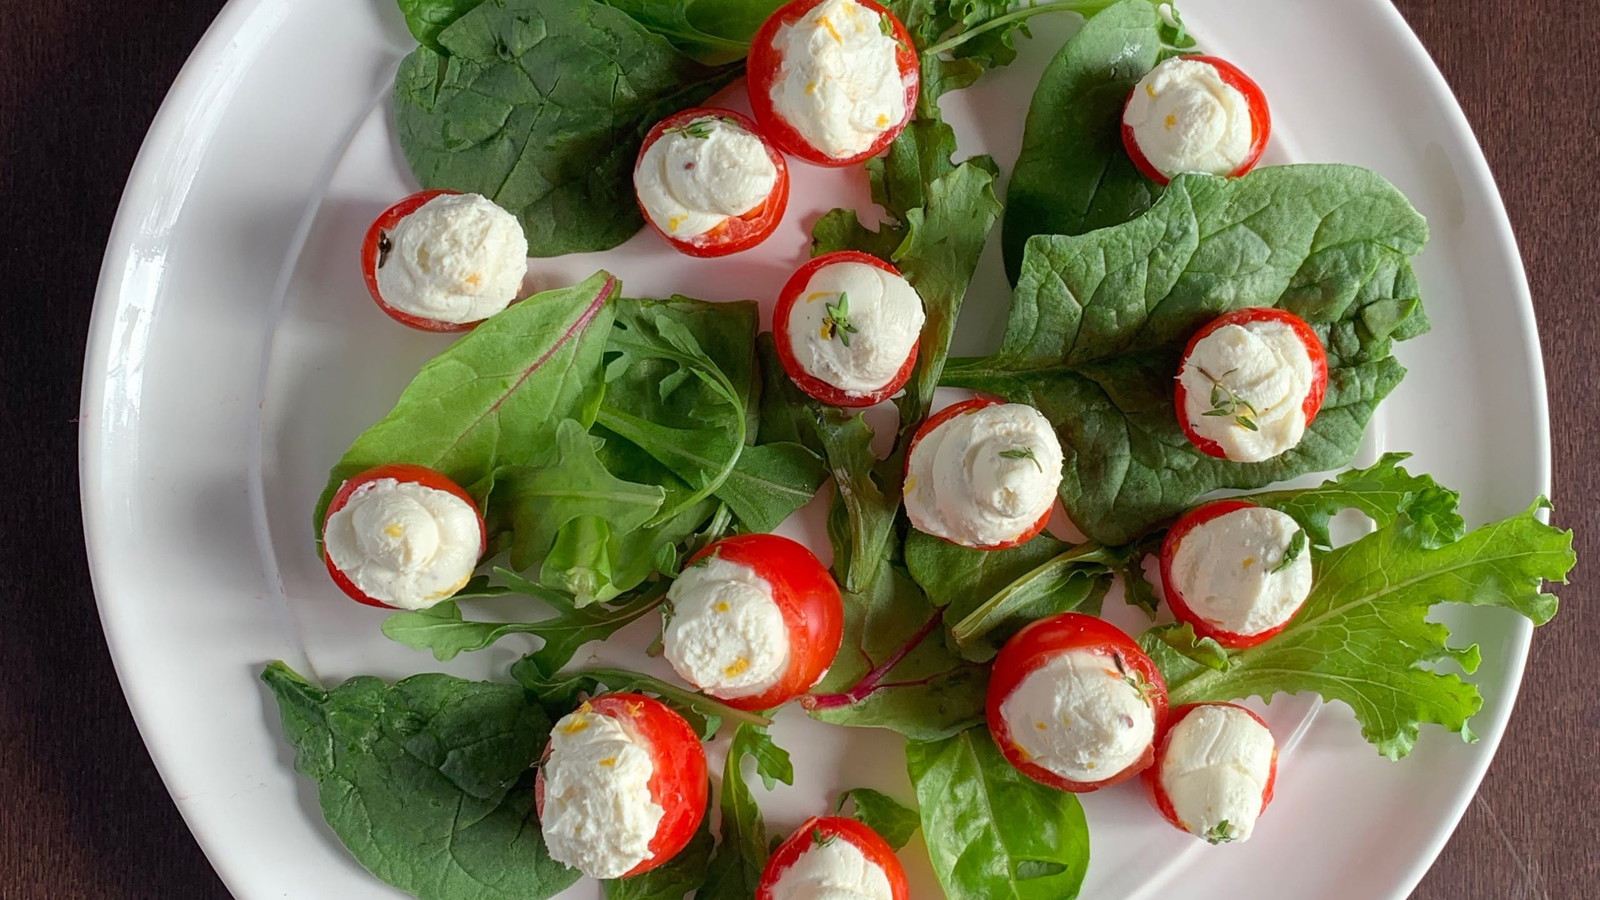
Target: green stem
983,619
1084,8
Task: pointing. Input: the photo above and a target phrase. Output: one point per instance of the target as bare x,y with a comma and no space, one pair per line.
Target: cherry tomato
678,781
421,475
805,381
809,600
1152,775
738,232
1038,644
822,829
1260,122
945,415
766,62
1314,350
373,248
1181,610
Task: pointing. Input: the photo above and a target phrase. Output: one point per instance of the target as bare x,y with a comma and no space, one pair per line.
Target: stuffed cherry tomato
1235,571
709,183
754,620
1250,384
444,261
983,474
1075,704
402,536
622,787
1195,114
1215,769
831,856
847,328
832,81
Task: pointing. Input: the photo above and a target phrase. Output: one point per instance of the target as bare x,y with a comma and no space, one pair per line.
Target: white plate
233,354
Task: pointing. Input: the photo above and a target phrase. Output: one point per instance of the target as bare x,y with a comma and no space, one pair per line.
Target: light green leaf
1364,637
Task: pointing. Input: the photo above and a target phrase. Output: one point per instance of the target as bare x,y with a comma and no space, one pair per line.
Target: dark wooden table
82,812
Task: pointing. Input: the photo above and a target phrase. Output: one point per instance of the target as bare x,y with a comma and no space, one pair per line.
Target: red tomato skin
422,475
1308,337
679,782
1152,775
872,846
737,233
764,63
808,598
1260,121
1181,610
1036,645
943,416
813,386
369,263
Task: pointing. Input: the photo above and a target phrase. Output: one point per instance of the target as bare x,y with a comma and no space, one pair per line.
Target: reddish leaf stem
872,682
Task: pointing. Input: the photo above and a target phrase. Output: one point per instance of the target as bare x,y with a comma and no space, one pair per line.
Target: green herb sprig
1226,402
837,323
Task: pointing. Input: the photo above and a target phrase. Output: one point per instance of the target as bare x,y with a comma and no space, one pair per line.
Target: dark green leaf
1073,174
426,18
771,481
712,31
1099,320
541,106
882,813
427,781
993,833
495,397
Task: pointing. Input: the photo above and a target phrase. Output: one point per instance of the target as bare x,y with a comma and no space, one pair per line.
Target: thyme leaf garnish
837,322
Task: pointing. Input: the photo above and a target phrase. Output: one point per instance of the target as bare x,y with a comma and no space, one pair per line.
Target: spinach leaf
785,414
495,397
673,880
426,18
1098,323
993,833
427,781
771,481
541,106
735,869
1073,174
561,693
882,813
1364,636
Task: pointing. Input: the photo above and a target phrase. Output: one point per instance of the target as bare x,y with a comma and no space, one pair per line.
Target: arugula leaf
1098,323
1073,174
441,628
541,106
561,693
894,670
657,372
544,504
993,833
496,397
427,781
672,880
735,869
1363,636
891,819
1383,491
426,18
866,499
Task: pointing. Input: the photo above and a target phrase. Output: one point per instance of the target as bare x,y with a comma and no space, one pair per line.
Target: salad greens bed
609,438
